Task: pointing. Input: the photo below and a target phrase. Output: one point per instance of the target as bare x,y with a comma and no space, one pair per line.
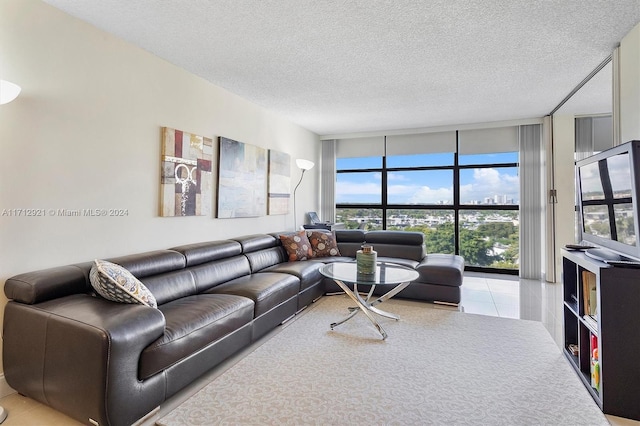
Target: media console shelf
612,319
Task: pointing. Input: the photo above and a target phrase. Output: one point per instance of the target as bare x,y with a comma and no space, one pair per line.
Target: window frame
456,206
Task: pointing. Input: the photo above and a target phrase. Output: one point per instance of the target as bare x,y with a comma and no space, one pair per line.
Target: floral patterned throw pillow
115,283
323,244
297,246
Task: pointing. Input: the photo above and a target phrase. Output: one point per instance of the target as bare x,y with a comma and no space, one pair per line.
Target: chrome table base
367,306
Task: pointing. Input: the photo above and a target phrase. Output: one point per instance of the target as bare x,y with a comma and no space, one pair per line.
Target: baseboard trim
5,389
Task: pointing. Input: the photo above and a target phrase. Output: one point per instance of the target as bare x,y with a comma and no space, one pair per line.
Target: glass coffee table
388,274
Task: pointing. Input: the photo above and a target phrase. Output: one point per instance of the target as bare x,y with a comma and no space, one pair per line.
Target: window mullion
456,198
384,192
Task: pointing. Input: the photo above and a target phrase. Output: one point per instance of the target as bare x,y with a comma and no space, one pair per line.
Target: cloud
396,177
356,192
490,182
483,183
427,195
418,194
401,189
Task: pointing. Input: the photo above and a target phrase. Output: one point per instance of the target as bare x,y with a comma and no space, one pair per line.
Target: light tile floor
484,294
511,297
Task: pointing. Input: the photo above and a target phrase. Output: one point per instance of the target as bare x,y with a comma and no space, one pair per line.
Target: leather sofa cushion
209,251
441,269
349,241
170,285
210,274
255,242
400,244
46,284
307,272
350,236
151,263
395,237
433,292
266,289
193,323
332,259
265,258
399,261
415,253
349,249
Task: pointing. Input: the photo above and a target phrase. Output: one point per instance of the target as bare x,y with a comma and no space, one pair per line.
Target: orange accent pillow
323,244
297,246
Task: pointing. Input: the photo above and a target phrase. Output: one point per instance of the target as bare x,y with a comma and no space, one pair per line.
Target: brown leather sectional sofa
109,363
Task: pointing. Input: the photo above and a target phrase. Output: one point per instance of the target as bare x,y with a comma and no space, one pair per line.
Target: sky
428,186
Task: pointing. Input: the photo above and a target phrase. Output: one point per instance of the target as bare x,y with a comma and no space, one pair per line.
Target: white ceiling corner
337,67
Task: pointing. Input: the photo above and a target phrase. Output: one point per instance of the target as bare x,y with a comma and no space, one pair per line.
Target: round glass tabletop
386,273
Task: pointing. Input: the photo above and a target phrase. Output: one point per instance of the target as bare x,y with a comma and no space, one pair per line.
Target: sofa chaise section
440,274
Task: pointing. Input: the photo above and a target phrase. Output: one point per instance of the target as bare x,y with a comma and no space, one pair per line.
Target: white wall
564,177
630,86
85,133
564,138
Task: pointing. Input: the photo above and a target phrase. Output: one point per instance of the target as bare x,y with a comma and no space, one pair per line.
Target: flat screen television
608,202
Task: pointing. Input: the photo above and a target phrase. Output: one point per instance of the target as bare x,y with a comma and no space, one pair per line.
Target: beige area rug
437,367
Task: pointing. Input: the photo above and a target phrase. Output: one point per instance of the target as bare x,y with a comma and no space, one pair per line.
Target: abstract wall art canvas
242,180
279,181
186,174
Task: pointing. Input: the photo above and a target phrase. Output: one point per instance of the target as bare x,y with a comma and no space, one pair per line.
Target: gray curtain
593,134
532,211
328,181
584,137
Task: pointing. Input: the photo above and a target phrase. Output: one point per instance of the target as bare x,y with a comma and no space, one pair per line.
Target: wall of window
461,189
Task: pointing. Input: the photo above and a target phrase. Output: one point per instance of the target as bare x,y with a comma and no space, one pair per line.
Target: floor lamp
303,165
8,92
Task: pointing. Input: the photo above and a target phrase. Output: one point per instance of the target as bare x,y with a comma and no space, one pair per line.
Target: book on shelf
589,298
591,321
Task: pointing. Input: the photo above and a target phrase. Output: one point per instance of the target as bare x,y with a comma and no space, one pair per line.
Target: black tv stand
612,320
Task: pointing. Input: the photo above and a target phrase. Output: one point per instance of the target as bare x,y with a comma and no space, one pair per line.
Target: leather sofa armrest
77,352
441,269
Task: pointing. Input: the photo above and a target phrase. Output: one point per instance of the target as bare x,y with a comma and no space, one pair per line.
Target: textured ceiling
336,66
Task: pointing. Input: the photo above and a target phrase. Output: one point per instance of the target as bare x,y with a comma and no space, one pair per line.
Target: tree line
477,245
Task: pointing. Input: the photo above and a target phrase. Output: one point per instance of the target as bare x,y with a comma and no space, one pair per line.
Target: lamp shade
8,91
304,164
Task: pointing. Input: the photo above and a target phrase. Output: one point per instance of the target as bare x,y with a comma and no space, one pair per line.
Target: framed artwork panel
242,180
279,181
186,176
